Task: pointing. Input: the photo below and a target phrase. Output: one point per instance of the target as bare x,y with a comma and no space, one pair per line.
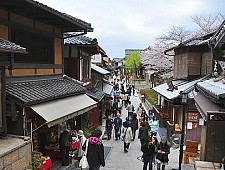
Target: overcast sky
134,24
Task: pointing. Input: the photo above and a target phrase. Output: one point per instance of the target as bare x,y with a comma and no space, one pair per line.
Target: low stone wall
18,158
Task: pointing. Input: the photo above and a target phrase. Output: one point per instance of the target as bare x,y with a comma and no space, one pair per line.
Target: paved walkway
118,160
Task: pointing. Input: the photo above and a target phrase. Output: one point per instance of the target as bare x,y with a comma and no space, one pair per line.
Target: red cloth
47,165
75,145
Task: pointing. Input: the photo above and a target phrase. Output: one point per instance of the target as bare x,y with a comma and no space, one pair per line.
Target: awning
57,111
105,87
99,69
204,105
180,85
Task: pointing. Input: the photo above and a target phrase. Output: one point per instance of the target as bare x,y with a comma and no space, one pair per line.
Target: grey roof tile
80,40
64,15
7,46
38,91
95,94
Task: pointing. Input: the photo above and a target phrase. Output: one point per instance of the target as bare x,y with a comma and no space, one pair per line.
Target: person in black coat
134,125
163,150
95,152
143,133
65,145
148,150
109,126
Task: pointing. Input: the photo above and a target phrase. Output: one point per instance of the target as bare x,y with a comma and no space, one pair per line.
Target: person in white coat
127,136
82,140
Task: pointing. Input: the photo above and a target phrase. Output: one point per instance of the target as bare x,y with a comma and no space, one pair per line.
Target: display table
53,153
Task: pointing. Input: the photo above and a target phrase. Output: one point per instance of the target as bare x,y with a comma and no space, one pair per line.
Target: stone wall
18,159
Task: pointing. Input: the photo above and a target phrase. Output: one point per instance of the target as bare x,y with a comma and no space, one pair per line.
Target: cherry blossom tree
178,34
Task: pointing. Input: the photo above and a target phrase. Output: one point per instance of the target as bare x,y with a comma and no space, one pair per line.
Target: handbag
83,162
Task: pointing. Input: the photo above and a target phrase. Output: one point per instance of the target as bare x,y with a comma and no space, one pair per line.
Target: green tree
133,62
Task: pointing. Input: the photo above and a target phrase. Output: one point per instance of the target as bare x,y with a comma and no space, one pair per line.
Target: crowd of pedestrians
137,121
154,152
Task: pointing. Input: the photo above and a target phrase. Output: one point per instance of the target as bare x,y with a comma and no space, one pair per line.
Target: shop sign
192,117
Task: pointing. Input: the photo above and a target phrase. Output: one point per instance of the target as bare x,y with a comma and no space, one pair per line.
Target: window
85,68
40,47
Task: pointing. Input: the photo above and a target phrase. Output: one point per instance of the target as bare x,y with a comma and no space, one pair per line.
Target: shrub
150,95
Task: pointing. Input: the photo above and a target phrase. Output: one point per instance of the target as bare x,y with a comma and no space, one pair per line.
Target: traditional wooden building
39,96
192,63
210,101
7,51
79,51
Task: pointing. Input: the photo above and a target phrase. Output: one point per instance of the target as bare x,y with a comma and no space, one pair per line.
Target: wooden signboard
192,117
191,146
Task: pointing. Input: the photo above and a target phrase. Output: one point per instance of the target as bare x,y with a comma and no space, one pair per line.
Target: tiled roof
80,40
46,14
95,94
196,41
63,15
180,86
214,88
7,46
42,90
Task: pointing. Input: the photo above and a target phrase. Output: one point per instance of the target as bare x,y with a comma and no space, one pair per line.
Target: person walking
127,136
155,142
150,116
127,122
154,126
134,125
117,126
115,107
82,140
143,116
65,145
148,150
108,106
130,109
109,126
143,133
95,151
163,150
133,89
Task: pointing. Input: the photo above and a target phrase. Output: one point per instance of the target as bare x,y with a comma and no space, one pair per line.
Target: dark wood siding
206,67
215,141
194,64
40,47
180,66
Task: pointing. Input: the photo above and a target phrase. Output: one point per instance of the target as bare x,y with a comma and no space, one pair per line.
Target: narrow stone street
118,160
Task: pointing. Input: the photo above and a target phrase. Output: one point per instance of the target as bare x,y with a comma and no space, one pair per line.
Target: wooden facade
40,30
16,28
192,62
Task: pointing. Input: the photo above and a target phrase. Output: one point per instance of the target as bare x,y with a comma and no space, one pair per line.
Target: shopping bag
83,162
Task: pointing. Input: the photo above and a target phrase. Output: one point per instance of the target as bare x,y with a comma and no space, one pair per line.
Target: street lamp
184,101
